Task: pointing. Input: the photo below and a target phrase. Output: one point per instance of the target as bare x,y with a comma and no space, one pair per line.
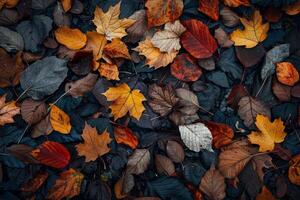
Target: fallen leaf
196,137
237,92
80,87
118,188
11,40
117,49
223,38
109,71
294,170
197,39
255,31
210,8
292,9
154,57
138,162
7,111
60,121
66,4
250,57
265,195
96,43
138,29
271,133
213,184
286,73
185,68
125,100
72,38
109,24
260,162
160,12
52,154
34,184
94,145
164,165
67,185
229,18
175,151
42,128
33,111
124,135
22,152
281,91
272,14
295,92
236,3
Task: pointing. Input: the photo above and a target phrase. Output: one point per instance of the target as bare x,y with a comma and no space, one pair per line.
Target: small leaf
7,111
34,184
265,194
294,168
42,128
96,43
210,8
175,151
229,18
109,71
60,121
237,3
125,136
33,111
286,73
72,38
138,162
66,4
223,38
80,87
164,165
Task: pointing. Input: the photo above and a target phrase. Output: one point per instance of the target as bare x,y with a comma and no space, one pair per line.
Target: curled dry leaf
96,43
229,18
294,170
7,111
210,8
60,121
213,184
175,151
160,12
286,73
94,145
196,137
80,87
33,111
164,165
52,154
237,3
154,57
34,184
74,39
117,49
271,133
223,38
67,185
109,71
138,162
124,135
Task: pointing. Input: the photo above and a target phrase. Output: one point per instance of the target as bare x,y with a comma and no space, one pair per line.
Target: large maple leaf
109,23
94,145
125,100
7,111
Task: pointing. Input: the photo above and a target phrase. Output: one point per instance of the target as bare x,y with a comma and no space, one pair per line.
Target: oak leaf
60,121
255,31
294,170
237,3
160,12
67,185
109,23
125,100
287,73
124,135
94,145
109,71
96,43
7,111
74,39
117,49
270,133
210,8
154,57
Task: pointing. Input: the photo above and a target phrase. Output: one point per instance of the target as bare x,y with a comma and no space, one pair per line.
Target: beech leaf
138,162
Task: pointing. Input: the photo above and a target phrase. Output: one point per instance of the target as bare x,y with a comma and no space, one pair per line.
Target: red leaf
52,154
197,40
210,8
185,68
126,136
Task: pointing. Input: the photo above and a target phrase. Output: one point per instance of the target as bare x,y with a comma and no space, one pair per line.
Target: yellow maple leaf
94,145
125,100
67,185
109,23
255,31
59,120
7,111
154,57
270,133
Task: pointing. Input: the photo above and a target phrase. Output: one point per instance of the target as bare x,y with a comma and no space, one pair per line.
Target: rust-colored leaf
7,111
124,135
34,184
109,71
210,8
294,170
287,73
117,49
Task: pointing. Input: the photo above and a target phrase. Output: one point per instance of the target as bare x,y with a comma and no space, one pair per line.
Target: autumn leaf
8,3
109,71
34,184
7,111
210,8
164,165
80,87
138,162
94,145
197,39
154,57
109,23
66,186
270,133
265,194
286,73
66,4
294,170
160,12
292,9
255,31
237,3
52,154
125,100
95,43
124,135
117,49
33,111
74,39
60,121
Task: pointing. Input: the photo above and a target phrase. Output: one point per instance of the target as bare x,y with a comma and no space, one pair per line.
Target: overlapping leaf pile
150,99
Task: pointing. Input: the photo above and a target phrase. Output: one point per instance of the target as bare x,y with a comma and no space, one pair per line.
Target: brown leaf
175,151
265,195
237,92
117,49
42,128
207,63
66,4
164,165
33,111
295,92
118,188
273,14
213,184
22,152
260,162
34,184
223,38
249,57
294,170
281,91
96,43
138,162
81,62
29,57
138,29
210,8
7,111
229,18
80,87
50,43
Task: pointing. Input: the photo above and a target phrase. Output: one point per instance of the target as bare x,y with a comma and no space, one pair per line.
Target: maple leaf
117,49
236,3
60,121
154,57
67,185
255,31
287,73
271,133
72,38
125,100
109,23
7,111
94,145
